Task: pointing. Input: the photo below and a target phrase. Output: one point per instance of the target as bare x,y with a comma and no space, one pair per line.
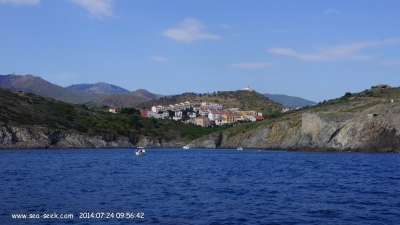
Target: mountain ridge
100,88
39,86
290,101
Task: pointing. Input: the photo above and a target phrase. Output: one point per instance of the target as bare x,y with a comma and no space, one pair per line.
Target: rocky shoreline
312,132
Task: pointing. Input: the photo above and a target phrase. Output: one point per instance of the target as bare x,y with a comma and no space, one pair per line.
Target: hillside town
203,114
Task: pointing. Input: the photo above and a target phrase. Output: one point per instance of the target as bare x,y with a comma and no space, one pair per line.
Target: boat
186,147
240,148
140,151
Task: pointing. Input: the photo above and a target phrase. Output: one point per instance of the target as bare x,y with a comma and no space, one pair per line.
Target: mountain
39,86
123,100
289,101
100,88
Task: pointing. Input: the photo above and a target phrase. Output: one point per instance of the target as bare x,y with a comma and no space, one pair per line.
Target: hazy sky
316,50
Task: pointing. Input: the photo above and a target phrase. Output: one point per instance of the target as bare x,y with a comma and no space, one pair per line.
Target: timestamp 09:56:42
111,215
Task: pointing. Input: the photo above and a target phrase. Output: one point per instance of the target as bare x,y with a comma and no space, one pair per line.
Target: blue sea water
175,186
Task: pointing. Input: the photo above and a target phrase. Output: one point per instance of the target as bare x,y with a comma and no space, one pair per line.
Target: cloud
331,11
190,30
256,65
21,2
333,53
159,59
96,8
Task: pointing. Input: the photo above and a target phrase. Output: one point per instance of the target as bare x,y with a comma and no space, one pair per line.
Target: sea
198,186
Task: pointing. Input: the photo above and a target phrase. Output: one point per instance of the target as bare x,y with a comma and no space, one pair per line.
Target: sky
317,50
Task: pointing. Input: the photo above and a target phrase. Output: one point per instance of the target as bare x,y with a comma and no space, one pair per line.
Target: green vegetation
27,109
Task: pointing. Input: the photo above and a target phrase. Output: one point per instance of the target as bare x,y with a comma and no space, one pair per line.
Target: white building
220,121
214,115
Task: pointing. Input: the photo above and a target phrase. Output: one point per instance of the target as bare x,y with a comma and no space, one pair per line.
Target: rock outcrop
318,132
42,138
334,131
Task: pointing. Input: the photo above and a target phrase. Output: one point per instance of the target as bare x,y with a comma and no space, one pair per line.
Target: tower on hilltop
247,88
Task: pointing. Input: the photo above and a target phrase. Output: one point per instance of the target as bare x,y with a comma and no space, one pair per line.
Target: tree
134,121
171,114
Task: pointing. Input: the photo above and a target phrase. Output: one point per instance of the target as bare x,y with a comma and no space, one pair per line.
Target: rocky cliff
311,132
362,126
12,137
337,131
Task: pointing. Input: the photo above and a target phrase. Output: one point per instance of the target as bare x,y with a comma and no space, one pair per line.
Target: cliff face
43,138
318,132
337,131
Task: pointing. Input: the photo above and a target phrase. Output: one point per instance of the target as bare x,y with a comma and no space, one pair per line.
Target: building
146,113
247,88
112,110
202,121
259,118
285,109
177,118
230,118
220,121
159,108
214,115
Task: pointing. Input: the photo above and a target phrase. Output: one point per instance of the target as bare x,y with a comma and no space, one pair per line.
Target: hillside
365,121
290,101
37,85
32,121
132,99
100,88
246,100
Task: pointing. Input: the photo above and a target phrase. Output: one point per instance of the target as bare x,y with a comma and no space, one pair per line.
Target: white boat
186,147
140,151
240,148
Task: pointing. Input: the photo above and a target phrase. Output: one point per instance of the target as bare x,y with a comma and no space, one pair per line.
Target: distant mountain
38,86
290,101
122,100
100,88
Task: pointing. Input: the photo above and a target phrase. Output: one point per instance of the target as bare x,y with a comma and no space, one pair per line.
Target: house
259,118
202,121
178,113
177,118
214,115
165,115
159,108
204,112
230,118
158,116
249,117
220,121
285,109
191,115
146,113
112,110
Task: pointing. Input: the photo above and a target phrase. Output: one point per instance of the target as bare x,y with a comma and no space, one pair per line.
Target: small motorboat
140,151
240,148
186,147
